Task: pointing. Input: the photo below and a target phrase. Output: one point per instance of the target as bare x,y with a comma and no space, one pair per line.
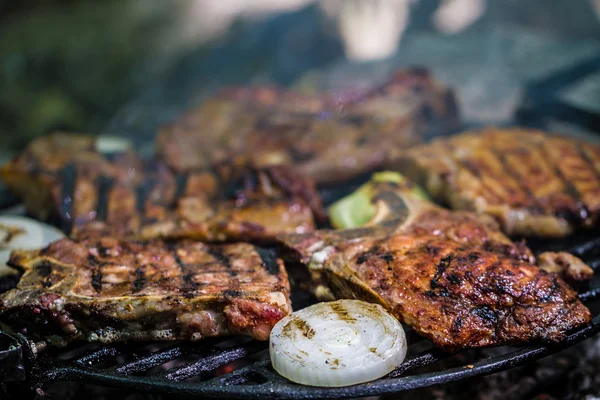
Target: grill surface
239,368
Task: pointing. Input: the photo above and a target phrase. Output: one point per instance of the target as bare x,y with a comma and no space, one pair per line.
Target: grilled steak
532,183
328,137
92,195
452,276
108,290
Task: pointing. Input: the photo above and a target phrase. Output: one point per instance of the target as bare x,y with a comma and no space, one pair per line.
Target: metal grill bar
153,360
97,356
213,361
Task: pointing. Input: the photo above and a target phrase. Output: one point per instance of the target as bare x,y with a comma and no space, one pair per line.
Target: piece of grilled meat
531,182
329,137
452,276
111,291
92,195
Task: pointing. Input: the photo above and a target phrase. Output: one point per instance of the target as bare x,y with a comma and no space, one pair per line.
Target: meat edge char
48,304
58,322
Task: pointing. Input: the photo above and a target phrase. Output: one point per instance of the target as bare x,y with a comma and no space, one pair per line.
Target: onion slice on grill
336,344
18,232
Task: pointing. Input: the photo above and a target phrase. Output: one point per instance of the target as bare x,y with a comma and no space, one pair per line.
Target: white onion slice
336,344
18,232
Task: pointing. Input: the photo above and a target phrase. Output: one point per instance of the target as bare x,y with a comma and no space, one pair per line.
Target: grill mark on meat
218,254
140,279
440,269
96,273
105,184
189,286
238,186
469,166
456,325
181,180
269,260
569,187
533,205
584,155
233,293
68,176
590,164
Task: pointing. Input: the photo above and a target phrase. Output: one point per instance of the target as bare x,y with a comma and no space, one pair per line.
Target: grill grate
240,368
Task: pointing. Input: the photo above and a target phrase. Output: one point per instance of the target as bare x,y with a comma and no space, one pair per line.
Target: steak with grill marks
61,177
107,290
453,276
328,137
531,182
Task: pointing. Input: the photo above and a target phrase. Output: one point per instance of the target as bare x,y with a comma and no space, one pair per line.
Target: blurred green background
74,64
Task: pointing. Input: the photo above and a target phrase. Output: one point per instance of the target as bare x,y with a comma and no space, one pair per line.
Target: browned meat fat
328,137
110,291
91,195
452,276
531,182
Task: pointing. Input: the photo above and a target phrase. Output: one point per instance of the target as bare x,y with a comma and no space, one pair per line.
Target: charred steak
109,291
531,182
328,137
452,276
61,177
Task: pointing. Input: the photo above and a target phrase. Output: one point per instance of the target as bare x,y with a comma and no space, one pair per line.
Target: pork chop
453,276
62,178
531,182
107,290
328,137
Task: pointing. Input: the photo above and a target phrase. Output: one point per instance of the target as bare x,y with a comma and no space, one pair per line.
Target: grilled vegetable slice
336,344
367,205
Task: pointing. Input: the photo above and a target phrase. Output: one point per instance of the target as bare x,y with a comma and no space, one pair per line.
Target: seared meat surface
328,137
92,195
108,290
453,276
531,182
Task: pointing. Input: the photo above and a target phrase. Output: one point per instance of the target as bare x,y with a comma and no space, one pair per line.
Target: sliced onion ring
336,344
22,233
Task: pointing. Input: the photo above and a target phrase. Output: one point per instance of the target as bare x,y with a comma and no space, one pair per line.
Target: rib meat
452,276
531,182
328,137
61,177
107,290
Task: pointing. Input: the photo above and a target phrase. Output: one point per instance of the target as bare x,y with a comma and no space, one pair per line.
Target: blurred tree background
67,64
